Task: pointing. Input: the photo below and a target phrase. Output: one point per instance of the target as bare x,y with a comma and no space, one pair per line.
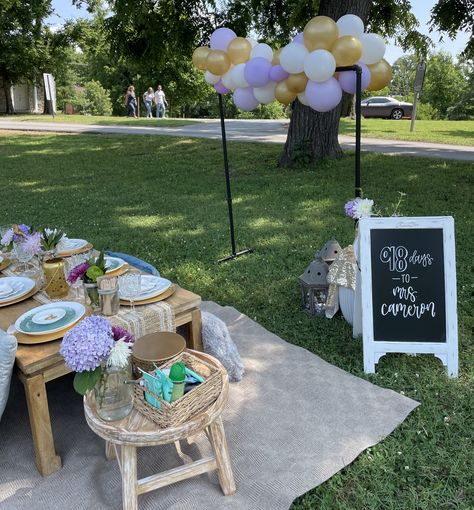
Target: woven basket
191,403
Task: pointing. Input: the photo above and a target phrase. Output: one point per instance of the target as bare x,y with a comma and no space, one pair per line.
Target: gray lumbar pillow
218,343
8,346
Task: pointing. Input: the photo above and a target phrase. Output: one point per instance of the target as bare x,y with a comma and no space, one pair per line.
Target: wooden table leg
109,450
195,338
224,467
47,461
129,477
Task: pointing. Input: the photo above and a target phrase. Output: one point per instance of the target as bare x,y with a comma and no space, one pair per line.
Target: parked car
386,107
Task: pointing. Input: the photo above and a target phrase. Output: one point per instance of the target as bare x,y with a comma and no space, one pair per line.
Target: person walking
148,97
161,103
131,102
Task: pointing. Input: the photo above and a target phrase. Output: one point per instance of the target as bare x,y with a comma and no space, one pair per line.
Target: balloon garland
304,68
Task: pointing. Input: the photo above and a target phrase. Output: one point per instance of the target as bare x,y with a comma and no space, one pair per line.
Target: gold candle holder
56,285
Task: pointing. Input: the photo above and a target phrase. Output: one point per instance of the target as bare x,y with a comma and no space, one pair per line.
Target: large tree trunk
313,135
7,88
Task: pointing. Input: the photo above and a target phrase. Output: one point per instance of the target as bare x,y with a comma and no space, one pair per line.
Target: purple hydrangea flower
120,333
87,345
7,237
350,208
77,272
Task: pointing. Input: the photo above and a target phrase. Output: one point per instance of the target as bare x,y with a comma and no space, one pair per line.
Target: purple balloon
299,38
347,79
323,96
221,38
257,71
277,73
220,89
244,99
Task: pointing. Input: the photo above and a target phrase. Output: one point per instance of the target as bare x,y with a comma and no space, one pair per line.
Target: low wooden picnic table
40,363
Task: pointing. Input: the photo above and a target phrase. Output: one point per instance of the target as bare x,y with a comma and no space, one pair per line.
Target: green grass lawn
437,131
163,199
100,121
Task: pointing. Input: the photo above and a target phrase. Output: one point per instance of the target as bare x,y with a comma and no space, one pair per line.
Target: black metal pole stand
234,254
358,71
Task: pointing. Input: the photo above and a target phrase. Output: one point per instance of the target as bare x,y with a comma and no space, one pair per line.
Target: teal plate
28,326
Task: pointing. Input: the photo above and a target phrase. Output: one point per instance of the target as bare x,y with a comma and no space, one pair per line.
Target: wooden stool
123,437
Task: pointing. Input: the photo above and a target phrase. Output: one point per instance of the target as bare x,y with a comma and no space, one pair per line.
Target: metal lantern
329,251
314,287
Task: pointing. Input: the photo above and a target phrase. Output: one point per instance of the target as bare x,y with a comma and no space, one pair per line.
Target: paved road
272,131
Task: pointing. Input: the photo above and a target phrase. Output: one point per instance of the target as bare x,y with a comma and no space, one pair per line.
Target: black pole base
235,255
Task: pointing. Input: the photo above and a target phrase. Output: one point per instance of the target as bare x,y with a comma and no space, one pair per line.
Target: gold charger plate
5,263
23,338
32,292
166,294
77,251
119,271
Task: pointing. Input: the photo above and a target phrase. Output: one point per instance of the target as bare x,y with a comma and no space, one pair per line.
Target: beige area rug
287,433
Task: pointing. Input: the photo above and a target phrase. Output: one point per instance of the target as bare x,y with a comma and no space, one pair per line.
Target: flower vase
91,294
113,397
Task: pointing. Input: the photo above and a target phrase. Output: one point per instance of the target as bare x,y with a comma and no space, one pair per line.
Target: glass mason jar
91,294
114,398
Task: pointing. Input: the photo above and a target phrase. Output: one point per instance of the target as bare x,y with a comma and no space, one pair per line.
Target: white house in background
26,97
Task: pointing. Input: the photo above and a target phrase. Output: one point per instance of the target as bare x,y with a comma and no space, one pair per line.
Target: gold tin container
56,285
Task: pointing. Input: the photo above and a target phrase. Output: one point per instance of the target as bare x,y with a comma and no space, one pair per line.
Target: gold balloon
276,57
380,75
217,62
297,82
320,33
347,50
239,50
199,57
283,94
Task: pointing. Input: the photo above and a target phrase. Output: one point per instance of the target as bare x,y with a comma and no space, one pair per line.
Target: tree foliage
23,46
444,83
451,16
447,90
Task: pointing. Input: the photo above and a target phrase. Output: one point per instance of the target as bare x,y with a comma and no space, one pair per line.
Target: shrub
273,110
424,111
92,99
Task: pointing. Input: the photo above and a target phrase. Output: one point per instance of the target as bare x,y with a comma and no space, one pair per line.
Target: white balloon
350,24
211,78
262,50
265,94
253,42
373,48
227,80
292,57
302,98
238,76
319,65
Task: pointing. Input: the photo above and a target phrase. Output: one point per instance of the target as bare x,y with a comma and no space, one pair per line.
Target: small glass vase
113,397
91,295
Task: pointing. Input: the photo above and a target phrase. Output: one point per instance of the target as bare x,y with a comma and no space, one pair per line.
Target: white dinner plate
67,245
151,286
49,316
113,263
15,287
73,311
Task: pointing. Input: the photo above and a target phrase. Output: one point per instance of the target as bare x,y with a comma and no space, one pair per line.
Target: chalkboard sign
408,288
